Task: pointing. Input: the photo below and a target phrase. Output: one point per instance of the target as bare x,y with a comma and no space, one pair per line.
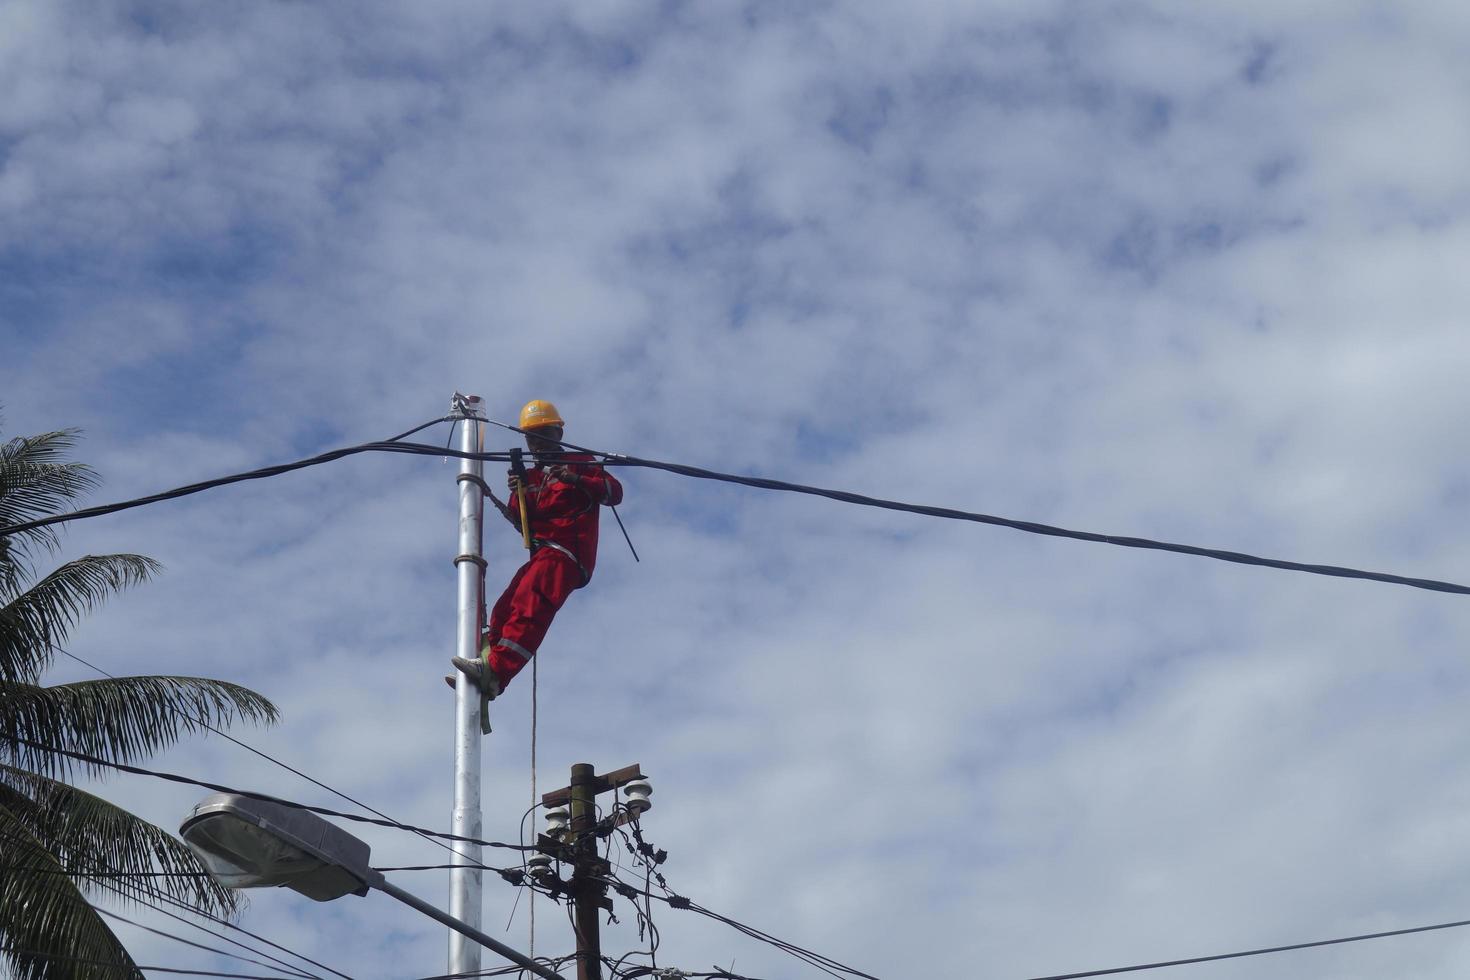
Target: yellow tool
518,467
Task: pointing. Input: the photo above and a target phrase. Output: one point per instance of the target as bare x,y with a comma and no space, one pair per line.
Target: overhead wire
677,901
428,835
649,856
250,748
1030,527
1251,952
208,949
554,963
147,894
220,788
764,483
55,958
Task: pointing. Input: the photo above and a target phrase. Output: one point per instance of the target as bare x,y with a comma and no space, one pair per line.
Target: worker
562,495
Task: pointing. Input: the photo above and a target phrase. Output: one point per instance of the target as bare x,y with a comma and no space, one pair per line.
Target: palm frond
39,619
37,481
88,834
121,719
48,931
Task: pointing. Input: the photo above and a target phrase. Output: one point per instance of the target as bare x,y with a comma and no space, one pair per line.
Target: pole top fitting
467,407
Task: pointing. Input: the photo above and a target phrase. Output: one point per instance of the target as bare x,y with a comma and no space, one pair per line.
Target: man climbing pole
555,506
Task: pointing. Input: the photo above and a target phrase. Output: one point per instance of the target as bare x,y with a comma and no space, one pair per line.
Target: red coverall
564,535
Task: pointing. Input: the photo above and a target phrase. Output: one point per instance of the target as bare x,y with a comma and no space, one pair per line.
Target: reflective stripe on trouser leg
516,648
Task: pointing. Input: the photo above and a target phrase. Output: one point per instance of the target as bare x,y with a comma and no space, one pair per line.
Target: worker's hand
514,482
564,474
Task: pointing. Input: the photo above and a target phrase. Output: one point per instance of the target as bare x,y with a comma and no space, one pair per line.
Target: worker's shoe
482,675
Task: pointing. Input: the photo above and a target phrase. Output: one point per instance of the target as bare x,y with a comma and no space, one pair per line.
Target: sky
1191,272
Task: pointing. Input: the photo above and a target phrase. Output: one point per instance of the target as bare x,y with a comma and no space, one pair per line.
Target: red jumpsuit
564,535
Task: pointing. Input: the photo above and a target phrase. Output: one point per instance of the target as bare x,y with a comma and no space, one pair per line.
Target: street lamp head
250,843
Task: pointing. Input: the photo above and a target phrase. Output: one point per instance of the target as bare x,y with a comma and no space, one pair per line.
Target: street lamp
250,843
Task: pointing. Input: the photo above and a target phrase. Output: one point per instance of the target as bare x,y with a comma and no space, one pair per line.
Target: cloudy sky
1192,272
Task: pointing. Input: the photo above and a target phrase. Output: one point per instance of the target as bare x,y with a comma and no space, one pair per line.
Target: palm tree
59,845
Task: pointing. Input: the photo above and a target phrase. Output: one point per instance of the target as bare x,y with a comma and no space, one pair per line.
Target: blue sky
1185,273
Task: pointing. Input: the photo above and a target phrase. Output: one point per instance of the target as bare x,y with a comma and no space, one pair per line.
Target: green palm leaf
37,620
46,924
88,834
36,480
121,719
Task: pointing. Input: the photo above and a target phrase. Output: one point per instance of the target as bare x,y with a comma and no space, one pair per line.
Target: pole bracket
467,407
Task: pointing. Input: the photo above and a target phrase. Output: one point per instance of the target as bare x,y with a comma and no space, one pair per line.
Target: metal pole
585,893
408,898
465,882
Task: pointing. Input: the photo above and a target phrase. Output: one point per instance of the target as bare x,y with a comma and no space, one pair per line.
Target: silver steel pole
465,882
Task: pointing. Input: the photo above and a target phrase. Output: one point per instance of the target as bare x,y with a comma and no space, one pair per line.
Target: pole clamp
471,478
472,558
467,407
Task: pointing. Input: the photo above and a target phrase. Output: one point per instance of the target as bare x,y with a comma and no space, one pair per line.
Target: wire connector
467,407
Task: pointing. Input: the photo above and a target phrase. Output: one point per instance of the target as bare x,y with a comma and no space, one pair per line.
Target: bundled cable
395,445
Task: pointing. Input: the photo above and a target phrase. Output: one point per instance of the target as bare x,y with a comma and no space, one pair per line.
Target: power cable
824,963
145,969
99,875
1251,952
500,971
650,857
207,949
673,974
152,893
1030,527
427,835
419,428
386,445
762,483
218,788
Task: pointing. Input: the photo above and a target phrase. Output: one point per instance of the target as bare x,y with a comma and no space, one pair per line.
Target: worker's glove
514,482
562,473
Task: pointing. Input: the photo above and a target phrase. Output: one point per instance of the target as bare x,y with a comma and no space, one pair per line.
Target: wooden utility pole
589,872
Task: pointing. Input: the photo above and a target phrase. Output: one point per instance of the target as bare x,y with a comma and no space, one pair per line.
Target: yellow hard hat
539,414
